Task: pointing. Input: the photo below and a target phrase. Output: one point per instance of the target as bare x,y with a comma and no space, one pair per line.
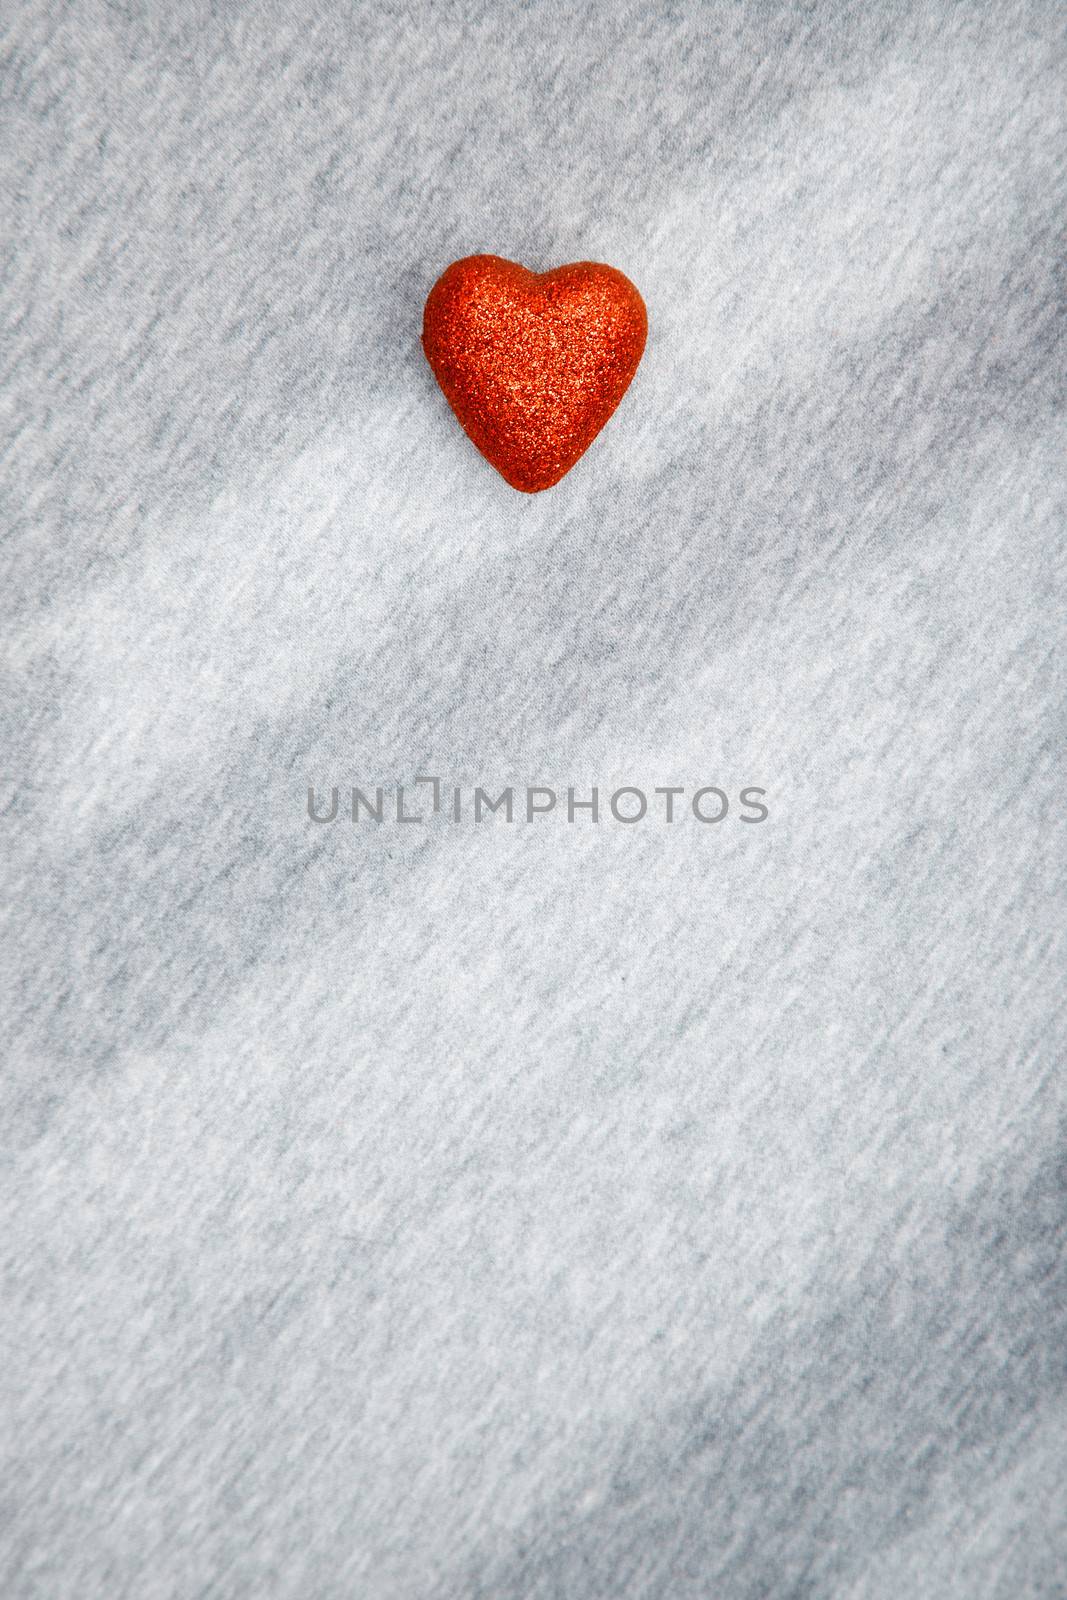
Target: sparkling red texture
533,363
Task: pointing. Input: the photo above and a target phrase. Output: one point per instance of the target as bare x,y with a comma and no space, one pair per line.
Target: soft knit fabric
579,1209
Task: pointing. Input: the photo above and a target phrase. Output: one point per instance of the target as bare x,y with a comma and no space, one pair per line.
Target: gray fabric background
548,1210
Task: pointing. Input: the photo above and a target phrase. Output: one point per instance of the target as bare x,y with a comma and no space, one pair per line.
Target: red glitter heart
533,363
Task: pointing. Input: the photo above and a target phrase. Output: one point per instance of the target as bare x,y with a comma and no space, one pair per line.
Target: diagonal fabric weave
546,1209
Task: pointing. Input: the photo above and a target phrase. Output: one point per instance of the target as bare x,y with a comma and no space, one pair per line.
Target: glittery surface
533,364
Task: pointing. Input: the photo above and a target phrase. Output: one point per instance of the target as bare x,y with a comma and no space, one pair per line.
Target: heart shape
533,363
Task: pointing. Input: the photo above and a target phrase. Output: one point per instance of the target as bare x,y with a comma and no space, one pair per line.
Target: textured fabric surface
548,1209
